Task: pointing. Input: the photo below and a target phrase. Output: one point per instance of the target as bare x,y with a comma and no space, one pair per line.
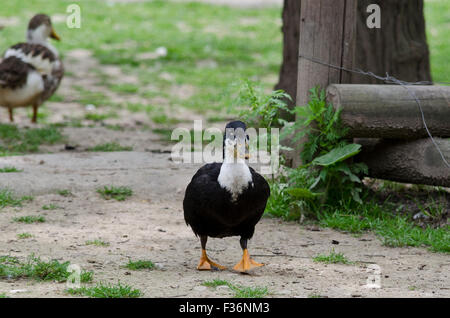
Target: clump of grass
65,193
35,268
239,291
50,206
24,235
99,117
110,147
9,169
163,119
249,292
332,258
140,264
3,295
116,193
8,199
18,141
97,243
102,290
393,230
216,283
30,219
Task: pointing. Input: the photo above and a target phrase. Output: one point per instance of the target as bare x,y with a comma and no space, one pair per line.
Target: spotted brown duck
30,72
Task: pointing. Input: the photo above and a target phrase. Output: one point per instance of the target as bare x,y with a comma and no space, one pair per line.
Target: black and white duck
30,72
227,199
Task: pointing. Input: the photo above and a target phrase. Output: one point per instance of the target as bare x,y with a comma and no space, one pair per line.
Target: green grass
9,169
393,229
216,283
7,198
117,193
97,243
100,117
437,20
65,193
35,268
332,258
24,235
124,88
29,219
50,206
191,32
109,147
140,264
14,140
238,290
103,290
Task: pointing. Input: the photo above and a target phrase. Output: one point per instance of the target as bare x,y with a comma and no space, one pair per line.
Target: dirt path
150,226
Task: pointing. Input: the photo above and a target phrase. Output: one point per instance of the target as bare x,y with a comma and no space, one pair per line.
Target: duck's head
40,29
235,141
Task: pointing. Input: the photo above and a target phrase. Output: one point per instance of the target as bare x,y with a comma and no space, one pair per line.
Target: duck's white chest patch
235,177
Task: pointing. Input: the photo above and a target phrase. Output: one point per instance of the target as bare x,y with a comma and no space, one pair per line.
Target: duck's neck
38,36
235,176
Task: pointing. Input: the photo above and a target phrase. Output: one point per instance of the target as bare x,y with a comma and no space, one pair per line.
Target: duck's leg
35,112
246,263
11,115
205,263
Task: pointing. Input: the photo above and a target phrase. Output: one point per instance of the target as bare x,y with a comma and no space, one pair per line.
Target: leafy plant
262,110
329,175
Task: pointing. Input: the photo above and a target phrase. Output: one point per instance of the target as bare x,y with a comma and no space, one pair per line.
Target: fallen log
416,161
389,111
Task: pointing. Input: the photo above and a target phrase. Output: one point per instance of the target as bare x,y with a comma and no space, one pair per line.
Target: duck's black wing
204,200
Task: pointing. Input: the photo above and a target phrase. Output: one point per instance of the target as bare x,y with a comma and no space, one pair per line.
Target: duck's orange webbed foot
206,264
246,263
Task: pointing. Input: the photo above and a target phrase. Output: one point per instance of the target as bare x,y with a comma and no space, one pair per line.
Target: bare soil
150,226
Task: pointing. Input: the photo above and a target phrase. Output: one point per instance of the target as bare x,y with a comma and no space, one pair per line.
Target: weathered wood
327,33
399,47
390,111
416,161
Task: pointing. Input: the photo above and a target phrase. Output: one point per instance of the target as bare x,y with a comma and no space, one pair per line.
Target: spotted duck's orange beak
55,36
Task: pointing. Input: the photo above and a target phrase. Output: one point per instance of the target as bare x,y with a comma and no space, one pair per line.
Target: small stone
16,291
200,288
284,292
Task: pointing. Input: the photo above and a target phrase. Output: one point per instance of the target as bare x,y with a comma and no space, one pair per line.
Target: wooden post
390,111
413,161
327,34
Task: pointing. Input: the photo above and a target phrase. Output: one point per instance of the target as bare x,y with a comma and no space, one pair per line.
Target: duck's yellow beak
55,36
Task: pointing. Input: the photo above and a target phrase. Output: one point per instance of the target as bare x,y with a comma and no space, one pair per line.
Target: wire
392,80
